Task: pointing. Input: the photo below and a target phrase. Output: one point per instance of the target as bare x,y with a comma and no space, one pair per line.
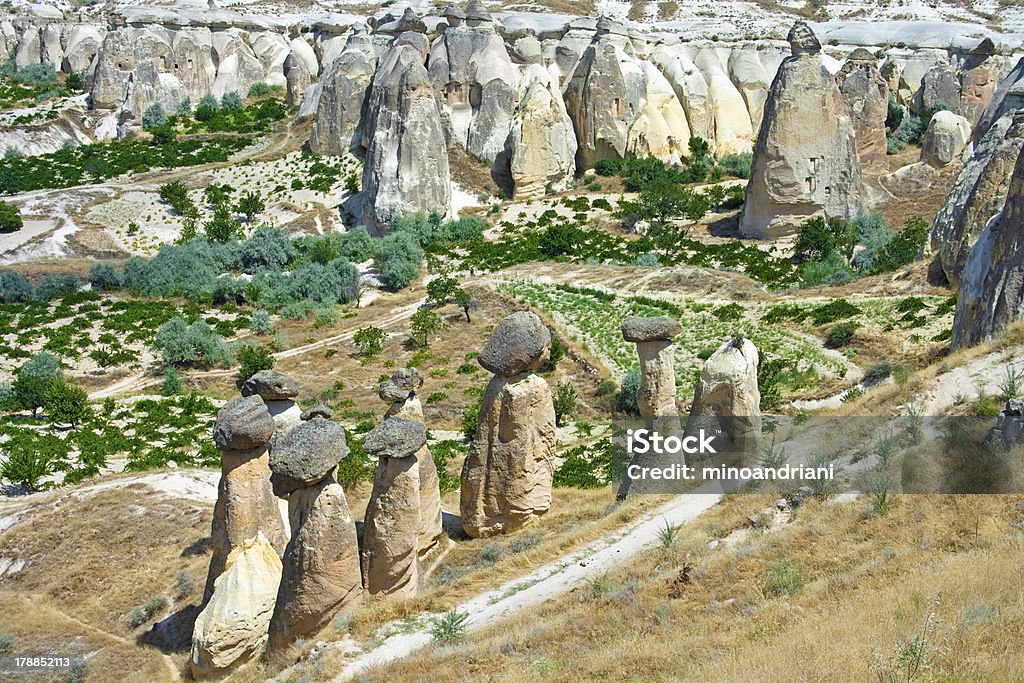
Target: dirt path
547,582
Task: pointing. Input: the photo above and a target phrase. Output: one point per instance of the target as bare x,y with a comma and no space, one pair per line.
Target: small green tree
565,402
33,379
424,323
207,108
817,238
222,227
10,218
464,301
441,289
154,116
369,340
250,205
172,381
471,420
253,358
66,403
231,101
75,81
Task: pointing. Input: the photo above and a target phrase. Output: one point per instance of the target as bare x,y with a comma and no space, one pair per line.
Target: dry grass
698,614
90,560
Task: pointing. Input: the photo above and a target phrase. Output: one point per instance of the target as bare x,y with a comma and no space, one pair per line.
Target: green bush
267,248
369,340
181,344
878,372
14,287
66,403
146,611
784,578
75,81
737,165
26,465
832,270
424,323
10,218
222,227
36,75
565,402
207,108
253,358
104,277
628,391
262,89
817,240
259,322
154,116
470,420
840,335
250,205
33,379
172,381
398,258
231,101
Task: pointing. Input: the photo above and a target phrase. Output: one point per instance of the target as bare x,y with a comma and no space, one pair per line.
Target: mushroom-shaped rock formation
245,503
391,528
506,478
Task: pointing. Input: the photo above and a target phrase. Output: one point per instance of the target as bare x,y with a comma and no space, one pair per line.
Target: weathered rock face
690,87
977,195
391,530
945,139
406,168
139,67
343,90
866,95
542,143
602,100
1008,96
805,163
979,75
751,79
245,504
940,89
991,293
270,386
306,454
520,343
399,391
727,390
298,80
83,44
659,129
733,132
506,478
232,628
478,83
320,575
653,338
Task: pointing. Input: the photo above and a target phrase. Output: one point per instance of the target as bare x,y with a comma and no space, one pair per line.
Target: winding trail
547,582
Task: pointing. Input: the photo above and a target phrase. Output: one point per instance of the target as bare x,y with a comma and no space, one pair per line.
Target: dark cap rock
243,423
402,384
985,48
475,10
270,386
637,329
306,454
519,343
319,410
802,40
396,437
861,55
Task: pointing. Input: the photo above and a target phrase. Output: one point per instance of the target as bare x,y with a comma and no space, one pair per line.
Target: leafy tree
25,465
52,286
104,277
154,116
441,289
217,193
817,239
560,239
464,301
222,227
180,344
251,204
66,403
184,108
163,135
737,165
321,250
398,258
628,391
253,358
10,218
358,246
259,322
699,147
903,247
33,379
663,199
207,108
369,340
471,420
424,323
266,248
565,402
176,195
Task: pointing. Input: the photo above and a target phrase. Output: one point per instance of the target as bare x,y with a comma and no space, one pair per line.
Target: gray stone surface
396,437
520,342
270,386
242,424
306,454
638,329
